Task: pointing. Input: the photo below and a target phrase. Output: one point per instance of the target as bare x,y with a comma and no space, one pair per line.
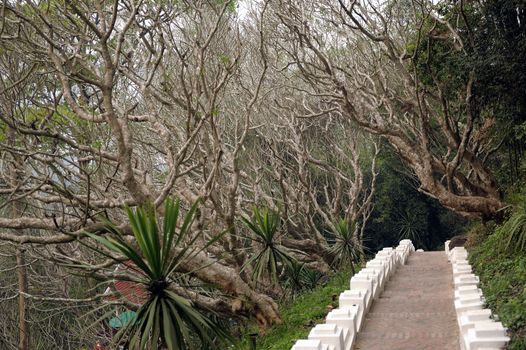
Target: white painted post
364,283
486,335
467,290
355,298
382,265
458,253
304,344
345,318
389,257
377,277
461,262
466,280
463,305
329,334
459,270
468,319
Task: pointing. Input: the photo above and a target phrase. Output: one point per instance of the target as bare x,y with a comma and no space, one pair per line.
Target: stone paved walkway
415,311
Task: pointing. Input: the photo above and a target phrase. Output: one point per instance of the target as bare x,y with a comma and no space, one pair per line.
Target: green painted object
123,319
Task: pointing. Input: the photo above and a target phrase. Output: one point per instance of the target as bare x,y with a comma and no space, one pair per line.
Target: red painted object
133,292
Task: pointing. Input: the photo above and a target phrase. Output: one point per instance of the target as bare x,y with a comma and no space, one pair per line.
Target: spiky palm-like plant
410,227
269,257
346,249
298,277
165,320
313,278
294,277
515,230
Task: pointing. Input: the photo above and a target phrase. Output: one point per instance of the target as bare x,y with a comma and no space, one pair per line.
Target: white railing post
476,328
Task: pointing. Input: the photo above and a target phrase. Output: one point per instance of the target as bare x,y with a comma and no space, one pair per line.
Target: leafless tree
358,55
113,104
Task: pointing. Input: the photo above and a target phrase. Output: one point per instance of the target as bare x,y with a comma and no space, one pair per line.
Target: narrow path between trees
416,310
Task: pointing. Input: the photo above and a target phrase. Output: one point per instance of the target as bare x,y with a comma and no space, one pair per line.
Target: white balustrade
477,330
304,344
355,298
466,280
467,290
468,319
343,324
378,280
345,318
329,334
382,263
364,282
486,335
459,270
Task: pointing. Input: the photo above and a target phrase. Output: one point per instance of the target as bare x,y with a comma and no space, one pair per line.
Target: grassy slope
503,281
296,315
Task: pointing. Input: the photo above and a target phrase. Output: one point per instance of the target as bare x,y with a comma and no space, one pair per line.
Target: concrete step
415,311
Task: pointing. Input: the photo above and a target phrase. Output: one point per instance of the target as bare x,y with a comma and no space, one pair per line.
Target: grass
297,314
503,281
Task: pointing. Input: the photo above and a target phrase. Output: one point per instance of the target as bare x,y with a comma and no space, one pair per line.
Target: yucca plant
165,320
294,277
269,257
313,278
409,227
515,230
346,249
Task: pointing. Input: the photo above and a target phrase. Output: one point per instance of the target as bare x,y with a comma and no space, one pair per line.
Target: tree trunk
16,168
23,328
316,251
261,306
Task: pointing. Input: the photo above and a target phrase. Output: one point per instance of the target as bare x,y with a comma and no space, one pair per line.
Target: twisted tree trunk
245,299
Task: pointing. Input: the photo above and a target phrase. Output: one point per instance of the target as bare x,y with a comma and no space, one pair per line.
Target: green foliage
514,230
298,278
411,226
269,258
346,248
313,278
294,277
499,58
494,54
166,318
300,315
503,281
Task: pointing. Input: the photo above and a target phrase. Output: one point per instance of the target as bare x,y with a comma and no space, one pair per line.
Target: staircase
416,309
